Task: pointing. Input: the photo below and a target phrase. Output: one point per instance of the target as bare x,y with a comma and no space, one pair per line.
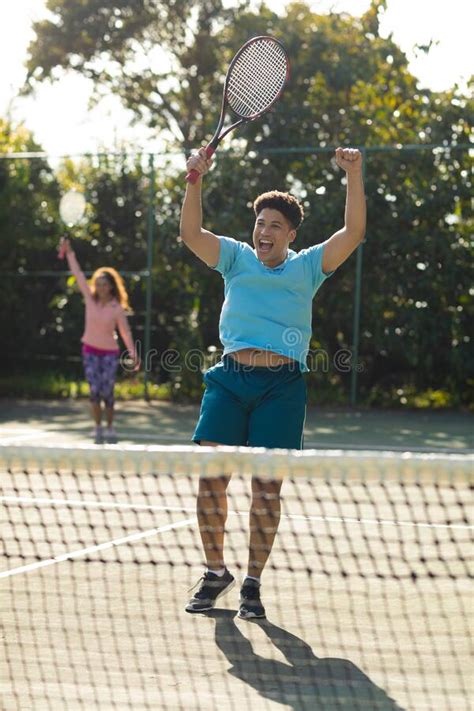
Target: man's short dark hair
285,203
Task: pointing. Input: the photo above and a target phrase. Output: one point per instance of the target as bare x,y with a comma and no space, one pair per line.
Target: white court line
183,509
127,436
91,504
32,434
132,435
16,429
382,522
93,549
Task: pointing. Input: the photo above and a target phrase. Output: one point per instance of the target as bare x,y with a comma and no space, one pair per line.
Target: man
256,395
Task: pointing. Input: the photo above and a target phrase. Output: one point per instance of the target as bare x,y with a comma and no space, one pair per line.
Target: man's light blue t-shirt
268,308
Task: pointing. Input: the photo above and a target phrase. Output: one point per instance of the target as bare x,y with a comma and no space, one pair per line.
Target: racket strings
257,78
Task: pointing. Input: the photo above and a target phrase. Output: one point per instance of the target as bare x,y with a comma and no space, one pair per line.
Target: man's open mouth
264,245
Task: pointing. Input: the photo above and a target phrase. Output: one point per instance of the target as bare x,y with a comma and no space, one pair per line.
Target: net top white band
276,463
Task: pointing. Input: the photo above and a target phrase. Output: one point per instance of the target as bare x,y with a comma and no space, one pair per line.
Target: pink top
102,321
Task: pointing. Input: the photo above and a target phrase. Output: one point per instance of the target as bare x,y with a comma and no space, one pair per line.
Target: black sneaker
211,589
250,603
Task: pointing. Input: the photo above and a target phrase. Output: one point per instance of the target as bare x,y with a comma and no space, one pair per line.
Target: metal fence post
356,317
149,282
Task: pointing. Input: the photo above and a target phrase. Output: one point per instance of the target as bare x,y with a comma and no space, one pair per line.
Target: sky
62,121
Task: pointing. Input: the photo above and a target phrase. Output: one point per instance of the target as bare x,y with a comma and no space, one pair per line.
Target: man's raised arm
341,245
203,243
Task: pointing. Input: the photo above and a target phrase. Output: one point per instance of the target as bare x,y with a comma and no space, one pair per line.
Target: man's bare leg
264,520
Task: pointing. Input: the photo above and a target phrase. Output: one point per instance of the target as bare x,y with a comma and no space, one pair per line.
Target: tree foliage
349,86
161,58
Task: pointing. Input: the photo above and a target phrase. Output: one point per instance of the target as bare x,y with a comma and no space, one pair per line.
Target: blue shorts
253,406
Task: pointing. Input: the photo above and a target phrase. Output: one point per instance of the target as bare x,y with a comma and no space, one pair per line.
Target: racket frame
211,147
69,224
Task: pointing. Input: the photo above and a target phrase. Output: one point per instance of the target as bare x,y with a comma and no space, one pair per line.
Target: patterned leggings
101,371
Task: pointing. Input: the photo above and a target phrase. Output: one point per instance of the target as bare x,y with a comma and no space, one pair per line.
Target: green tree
161,58
349,86
27,188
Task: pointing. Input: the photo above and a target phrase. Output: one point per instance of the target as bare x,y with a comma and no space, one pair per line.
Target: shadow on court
305,682
68,422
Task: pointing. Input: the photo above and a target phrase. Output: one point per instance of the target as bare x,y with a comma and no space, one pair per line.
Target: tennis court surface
367,591
68,422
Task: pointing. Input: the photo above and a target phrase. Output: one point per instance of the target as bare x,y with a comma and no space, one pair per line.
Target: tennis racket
254,82
71,208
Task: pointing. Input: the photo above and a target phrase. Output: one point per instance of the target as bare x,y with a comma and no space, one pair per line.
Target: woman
106,302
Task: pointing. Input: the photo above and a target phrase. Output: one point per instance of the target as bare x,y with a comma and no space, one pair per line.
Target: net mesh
257,77
367,588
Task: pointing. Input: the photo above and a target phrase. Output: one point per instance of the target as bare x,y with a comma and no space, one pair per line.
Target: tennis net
367,589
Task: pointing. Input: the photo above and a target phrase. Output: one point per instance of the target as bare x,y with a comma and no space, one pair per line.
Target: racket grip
62,251
193,175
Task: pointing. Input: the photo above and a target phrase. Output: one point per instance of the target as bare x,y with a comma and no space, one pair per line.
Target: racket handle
193,174
62,250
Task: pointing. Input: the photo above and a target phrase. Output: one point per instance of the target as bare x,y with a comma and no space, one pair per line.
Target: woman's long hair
117,286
